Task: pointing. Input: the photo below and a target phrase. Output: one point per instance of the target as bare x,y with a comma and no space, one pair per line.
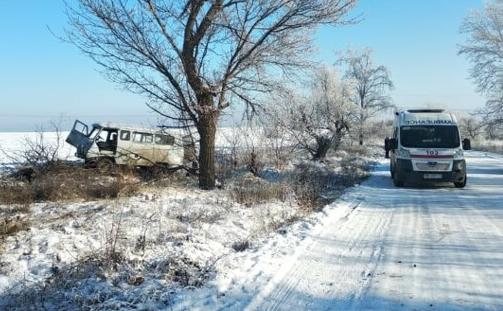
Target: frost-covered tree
470,127
317,121
193,59
493,130
371,84
484,49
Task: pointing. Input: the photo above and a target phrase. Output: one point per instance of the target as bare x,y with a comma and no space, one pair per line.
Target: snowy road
428,248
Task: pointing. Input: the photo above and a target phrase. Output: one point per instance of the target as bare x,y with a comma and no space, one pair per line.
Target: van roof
426,117
130,127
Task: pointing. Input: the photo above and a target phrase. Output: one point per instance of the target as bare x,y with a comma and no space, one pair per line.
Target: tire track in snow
397,275
413,248
483,276
306,246
452,261
321,270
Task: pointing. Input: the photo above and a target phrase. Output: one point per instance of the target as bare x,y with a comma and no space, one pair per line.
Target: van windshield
94,132
429,136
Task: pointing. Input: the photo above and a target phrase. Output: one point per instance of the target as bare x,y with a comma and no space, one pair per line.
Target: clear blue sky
42,78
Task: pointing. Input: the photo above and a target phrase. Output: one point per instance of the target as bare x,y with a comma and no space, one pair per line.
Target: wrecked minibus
426,146
105,145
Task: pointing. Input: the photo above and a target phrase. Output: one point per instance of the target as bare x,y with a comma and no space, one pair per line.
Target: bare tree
193,58
277,142
40,152
484,49
371,85
243,146
318,122
471,127
493,130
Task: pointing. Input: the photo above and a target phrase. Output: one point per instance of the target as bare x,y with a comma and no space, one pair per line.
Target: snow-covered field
376,248
169,242
195,227
13,144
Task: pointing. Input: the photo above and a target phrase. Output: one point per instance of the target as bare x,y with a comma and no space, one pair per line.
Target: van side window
125,135
148,138
164,139
145,138
137,137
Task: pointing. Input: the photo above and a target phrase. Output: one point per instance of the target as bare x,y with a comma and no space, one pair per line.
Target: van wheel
461,184
105,165
397,181
90,163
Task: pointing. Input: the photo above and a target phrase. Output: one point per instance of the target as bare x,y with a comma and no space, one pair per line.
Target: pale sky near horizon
44,79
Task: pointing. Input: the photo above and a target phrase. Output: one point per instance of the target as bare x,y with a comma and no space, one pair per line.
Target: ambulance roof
426,117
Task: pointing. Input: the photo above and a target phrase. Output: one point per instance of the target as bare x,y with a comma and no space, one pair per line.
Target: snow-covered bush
489,145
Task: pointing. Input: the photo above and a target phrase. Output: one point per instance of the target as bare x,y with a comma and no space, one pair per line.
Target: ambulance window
429,136
125,135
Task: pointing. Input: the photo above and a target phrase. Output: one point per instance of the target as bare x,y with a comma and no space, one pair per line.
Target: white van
426,146
107,144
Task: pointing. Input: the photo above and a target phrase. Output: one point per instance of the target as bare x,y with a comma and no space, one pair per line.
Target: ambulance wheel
460,184
397,181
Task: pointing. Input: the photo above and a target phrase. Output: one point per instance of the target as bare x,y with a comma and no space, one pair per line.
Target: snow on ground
376,248
196,226
170,242
12,145
381,248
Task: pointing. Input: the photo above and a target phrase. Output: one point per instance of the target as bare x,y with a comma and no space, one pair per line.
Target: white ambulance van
426,146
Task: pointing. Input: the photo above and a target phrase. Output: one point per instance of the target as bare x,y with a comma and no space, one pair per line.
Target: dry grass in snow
75,239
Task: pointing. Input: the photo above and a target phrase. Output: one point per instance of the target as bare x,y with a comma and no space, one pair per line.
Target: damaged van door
91,145
79,137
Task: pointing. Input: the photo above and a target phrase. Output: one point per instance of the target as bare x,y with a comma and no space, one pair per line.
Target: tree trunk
362,121
323,145
207,130
337,140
